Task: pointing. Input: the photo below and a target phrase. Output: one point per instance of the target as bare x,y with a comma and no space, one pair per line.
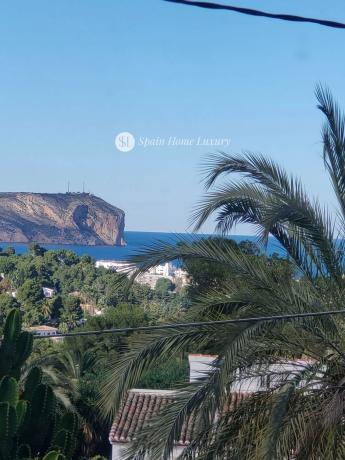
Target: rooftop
43,328
139,406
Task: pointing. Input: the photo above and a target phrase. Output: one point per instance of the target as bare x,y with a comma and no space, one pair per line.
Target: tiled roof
140,405
43,328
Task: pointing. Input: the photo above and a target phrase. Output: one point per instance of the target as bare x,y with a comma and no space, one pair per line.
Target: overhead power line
254,319
264,14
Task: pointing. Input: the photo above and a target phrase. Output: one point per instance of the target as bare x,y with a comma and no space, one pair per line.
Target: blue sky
76,73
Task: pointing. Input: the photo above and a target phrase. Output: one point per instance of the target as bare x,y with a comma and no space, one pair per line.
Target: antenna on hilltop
68,187
83,187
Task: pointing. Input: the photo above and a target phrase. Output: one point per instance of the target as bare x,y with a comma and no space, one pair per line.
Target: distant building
166,270
181,277
150,278
45,331
48,292
176,275
117,265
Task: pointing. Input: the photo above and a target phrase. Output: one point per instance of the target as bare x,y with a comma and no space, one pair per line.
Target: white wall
200,366
118,450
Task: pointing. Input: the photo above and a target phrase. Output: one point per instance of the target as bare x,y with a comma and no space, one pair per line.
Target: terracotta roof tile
140,405
43,328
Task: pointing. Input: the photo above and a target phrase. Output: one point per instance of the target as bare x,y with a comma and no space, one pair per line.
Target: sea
137,241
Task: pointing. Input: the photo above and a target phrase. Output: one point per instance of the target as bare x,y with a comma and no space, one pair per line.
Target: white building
45,331
118,265
135,408
48,292
249,380
200,366
182,275
150,278
165,270
139,405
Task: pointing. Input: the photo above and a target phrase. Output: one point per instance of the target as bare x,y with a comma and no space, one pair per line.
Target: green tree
295,414
167,375
75,377
7,303
30,293
205,274
124,315
71,312
163,287
56,305
9,251
36,250
46,309
249,247
7,264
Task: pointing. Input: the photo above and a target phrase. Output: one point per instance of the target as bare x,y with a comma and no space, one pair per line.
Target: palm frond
123,373
333,135
276,204
296,414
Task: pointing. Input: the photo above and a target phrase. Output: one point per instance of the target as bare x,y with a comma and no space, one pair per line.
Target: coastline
135,241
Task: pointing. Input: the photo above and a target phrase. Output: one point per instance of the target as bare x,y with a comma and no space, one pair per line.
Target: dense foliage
74,367
79,288
32,423
296,409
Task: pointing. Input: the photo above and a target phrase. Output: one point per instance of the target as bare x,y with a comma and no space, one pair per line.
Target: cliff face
58,218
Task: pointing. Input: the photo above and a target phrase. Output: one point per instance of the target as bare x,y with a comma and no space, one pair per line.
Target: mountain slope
59,218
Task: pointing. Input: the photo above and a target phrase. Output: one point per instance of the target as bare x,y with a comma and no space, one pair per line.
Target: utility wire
254,319
252,12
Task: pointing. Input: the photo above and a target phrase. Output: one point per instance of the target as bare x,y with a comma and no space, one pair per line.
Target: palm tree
75,371
73,376
46,310
300,413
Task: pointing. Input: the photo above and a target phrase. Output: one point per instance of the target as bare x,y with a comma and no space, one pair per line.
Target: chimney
200,366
